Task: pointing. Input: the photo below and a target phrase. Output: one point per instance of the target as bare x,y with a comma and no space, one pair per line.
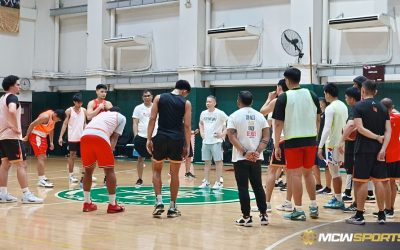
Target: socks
25,190
268,204
338,197
347,192
71,174
299,208
86,196
360,214
111,199
313,203
288,202
159,199
172,204
42,177
349,183
3,190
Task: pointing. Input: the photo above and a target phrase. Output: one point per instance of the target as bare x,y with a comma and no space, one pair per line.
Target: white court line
65,177
37,205
299,232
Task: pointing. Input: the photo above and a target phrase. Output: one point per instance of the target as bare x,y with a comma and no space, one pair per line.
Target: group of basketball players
366,143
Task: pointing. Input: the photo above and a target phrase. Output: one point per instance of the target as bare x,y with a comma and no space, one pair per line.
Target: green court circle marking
145,195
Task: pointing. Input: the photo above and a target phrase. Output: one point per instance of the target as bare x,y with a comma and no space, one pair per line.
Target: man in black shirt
372,121
171,142
346,146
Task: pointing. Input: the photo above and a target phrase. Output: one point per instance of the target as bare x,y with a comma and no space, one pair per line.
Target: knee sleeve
334,170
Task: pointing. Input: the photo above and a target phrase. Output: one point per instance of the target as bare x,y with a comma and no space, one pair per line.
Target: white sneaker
73,179
204,184
217,185
30,198
44,183
221,179
7,198
255,208
285,206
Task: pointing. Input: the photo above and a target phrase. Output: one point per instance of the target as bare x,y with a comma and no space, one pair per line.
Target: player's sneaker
158,210
217,185
112,209
350,209
139,183
371,199
246,222
190,175
205,184
334,204
30,198
264,219
325,191
73,179
221,179
356,220
173,212
347,198
89,207
285,206
7,198
314,212
44,183
295,215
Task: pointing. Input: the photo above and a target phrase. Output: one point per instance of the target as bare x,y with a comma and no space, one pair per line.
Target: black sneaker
356,220
246,222
189,175
158,210
325,191
279,184
347,198
318,187
389,213
350,209
381,217
370,199
264,219
284,188
139,183
173,212
105,181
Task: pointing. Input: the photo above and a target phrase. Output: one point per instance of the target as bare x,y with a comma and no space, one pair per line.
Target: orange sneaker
112,209
89,207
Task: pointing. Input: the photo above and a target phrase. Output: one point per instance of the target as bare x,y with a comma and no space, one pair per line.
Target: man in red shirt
392,158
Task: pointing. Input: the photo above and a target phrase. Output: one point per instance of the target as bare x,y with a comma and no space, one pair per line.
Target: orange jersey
393,149
97,103
44,129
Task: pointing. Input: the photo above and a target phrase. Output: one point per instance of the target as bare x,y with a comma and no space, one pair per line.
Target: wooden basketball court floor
61,224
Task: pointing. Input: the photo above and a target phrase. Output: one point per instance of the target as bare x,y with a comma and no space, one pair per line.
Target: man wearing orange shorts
296,113
37,134
97,144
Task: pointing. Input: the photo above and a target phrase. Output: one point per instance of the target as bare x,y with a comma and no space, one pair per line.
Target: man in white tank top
75,120
97,145
12,150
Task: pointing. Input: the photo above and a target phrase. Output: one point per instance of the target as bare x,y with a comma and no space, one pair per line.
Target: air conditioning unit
378,20
232,32
121,42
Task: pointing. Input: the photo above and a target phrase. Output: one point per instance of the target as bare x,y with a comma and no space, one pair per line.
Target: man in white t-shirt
213,131
97,145
248,132
140,118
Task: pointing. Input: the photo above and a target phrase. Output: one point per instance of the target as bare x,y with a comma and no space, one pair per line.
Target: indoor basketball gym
59,48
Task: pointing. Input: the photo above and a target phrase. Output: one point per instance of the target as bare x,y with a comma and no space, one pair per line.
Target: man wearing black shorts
140,117
346,147
275,164
372,121
12,150
75,121
171,142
